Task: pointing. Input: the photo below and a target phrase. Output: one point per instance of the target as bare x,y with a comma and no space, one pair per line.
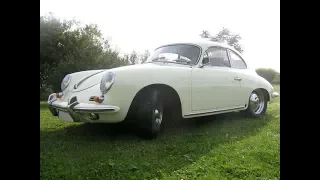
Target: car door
215,85
240,68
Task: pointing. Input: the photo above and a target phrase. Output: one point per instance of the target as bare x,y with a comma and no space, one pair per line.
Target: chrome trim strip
60,107
94,109
215,111
82,109
51,101
81,81
50,98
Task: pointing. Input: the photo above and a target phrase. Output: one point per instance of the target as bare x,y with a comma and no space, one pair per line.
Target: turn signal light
98,99
59,95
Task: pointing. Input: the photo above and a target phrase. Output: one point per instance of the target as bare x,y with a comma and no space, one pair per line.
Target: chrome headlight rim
107,82
65,82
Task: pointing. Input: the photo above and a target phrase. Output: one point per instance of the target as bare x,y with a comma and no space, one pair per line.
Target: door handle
237,79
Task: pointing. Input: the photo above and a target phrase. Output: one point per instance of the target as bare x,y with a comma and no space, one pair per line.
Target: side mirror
205,61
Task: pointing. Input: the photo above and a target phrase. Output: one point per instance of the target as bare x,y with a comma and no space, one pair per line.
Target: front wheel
150,114
257,104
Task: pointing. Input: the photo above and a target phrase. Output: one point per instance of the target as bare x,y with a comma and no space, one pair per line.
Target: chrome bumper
273,96
74,108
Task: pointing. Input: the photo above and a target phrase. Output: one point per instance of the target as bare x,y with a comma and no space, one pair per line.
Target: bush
276,79
268,74
45,91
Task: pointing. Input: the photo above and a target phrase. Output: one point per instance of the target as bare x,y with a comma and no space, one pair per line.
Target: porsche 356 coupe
193,78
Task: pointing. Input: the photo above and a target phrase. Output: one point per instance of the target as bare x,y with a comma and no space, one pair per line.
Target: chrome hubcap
158,116
257,102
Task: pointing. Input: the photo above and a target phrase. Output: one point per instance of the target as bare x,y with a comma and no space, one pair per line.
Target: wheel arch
265,93
170,94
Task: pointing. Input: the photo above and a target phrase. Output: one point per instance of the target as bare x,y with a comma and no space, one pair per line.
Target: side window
237,62
205,58
218,57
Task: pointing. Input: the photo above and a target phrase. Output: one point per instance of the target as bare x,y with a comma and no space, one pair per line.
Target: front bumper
78,111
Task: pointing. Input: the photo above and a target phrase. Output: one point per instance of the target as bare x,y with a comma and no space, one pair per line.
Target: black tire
258,108
146,115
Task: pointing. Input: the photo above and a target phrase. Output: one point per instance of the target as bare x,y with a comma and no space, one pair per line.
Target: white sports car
194,78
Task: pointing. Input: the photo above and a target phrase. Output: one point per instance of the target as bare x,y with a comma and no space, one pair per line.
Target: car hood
86,79
154,65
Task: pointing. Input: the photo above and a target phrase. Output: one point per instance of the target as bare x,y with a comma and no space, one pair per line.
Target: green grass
227,146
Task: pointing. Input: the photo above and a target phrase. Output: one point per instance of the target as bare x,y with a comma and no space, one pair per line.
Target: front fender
129,81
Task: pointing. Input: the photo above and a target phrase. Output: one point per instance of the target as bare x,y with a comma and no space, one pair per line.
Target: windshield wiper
182,60
157,59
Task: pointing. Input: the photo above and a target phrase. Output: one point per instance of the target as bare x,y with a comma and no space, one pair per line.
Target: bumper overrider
79,112
273,96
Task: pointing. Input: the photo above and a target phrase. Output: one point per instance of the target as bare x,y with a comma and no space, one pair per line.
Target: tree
225,36
51,34
145,56
133,58
125,59
66,47
205,34
84,49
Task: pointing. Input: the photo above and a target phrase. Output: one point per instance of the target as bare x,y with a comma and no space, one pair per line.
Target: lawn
227,146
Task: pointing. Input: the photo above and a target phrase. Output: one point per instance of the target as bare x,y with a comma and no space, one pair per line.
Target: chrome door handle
237,79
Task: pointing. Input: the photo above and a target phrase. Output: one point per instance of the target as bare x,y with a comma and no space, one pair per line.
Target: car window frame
231,61
218,47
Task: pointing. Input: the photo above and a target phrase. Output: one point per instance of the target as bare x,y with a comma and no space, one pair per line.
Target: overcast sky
146,24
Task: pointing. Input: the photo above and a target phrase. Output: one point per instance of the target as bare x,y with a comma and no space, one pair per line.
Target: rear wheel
257,104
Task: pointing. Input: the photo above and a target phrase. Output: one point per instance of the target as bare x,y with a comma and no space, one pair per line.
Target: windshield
179,53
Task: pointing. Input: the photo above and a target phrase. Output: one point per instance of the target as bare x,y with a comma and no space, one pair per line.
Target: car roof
204,44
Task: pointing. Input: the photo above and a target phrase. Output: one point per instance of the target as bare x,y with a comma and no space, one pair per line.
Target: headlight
106,82
65,82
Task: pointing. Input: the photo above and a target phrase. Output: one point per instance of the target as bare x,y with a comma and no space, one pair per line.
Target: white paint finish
131,79
78,76
89,81
243,93
214,88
